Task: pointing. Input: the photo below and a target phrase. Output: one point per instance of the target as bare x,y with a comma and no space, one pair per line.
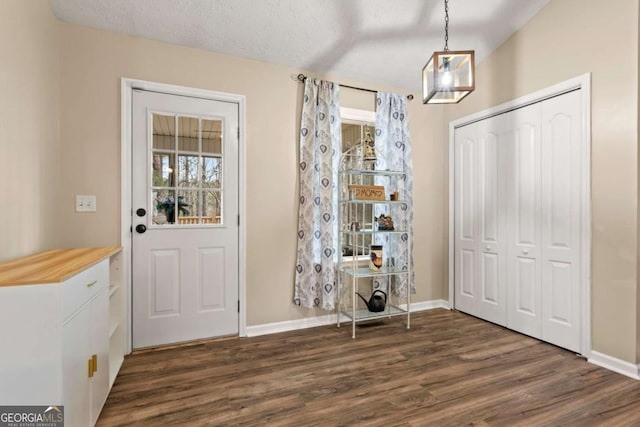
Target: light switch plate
85,203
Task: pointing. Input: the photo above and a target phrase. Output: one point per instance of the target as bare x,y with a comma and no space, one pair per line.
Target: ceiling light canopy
449,75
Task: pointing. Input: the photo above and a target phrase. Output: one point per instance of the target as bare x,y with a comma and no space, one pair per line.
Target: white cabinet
86,361
116,317
54,328
77,354
517,219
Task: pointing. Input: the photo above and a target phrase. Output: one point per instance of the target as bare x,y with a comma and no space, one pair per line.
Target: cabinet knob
488,248
525,251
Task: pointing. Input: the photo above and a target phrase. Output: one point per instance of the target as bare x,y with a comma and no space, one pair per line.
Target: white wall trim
354,114
328,319
614,364
126,89
583,83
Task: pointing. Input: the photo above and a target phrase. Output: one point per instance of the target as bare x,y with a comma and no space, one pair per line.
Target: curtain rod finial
302,77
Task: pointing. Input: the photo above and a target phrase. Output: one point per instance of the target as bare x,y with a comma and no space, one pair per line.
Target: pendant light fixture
449,75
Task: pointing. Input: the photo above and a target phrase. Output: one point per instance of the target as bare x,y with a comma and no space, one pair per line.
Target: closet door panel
526,288
467,274
480,270
492,304
490,279
560,230
466,219
518,200
523,272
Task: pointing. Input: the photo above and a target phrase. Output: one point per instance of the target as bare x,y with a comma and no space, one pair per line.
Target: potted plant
168,206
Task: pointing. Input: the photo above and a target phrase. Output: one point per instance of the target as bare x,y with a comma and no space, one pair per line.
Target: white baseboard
328,319
614,364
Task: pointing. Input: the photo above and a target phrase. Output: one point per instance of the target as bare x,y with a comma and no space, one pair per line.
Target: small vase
375,257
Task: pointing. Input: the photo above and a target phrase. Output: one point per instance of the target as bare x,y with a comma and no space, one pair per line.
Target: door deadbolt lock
141,228
141,212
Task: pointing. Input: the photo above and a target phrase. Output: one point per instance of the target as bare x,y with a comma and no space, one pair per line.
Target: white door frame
126,90
583,83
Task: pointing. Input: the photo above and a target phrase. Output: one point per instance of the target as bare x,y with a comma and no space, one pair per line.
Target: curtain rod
302,78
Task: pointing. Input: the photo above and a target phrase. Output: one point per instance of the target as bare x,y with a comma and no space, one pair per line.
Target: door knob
141,228
141,212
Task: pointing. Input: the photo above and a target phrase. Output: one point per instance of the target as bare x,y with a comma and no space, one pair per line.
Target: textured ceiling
379,41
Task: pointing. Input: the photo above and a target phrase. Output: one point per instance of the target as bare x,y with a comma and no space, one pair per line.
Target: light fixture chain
446,25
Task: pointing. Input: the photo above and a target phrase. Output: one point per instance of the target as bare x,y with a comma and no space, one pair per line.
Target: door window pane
164,132
188,171
163,167
186,174
188,134
164,207
212,136
213,207
212,172
189,214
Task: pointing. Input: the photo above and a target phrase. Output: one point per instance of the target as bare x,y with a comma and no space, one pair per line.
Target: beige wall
566,39
29,141
61,137
638,211
92,63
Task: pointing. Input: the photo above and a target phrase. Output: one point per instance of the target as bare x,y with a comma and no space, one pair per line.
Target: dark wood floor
448,369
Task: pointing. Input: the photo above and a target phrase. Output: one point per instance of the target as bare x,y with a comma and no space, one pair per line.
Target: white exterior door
185,218
517,219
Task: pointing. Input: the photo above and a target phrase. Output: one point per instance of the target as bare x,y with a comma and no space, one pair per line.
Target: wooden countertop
53,266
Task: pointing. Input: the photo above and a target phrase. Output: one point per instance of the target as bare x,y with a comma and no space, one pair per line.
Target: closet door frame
582,83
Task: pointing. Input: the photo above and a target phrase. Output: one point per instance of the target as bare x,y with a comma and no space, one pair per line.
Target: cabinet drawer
79,289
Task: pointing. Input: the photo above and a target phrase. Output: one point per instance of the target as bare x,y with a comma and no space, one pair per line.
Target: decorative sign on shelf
366,192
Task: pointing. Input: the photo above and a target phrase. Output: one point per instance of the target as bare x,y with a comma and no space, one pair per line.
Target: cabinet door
76,352
100,347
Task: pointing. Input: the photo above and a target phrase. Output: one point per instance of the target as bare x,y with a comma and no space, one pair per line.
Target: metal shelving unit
354,244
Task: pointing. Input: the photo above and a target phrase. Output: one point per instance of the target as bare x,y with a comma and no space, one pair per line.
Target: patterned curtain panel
320,149
393,147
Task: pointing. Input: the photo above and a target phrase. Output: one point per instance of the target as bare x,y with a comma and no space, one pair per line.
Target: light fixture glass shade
448,77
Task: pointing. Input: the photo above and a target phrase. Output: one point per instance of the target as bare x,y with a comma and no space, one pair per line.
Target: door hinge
238,220
238,133
238,306
131,229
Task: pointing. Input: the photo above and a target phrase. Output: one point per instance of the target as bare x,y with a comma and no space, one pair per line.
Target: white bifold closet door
480,229
517,198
